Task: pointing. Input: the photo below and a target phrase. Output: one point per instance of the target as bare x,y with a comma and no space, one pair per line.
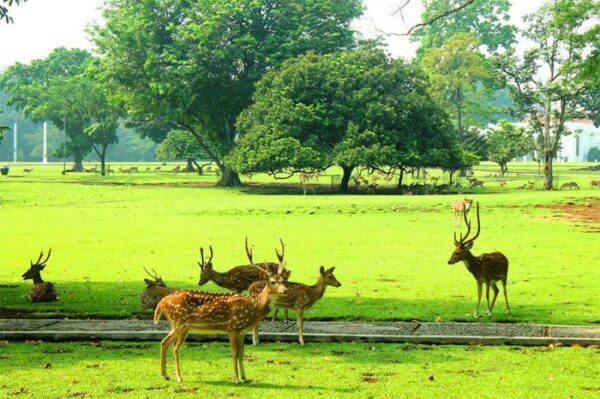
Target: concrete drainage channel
387,332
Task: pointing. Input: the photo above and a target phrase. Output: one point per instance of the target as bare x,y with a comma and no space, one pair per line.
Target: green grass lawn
390,251
131,370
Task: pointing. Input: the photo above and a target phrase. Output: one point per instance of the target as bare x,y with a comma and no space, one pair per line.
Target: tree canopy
506,142
194,64
349,108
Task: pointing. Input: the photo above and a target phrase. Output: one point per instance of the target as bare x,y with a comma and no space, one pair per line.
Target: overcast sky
42,25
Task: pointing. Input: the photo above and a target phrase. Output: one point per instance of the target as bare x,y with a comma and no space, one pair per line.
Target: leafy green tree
62,88
455,69
593,154
194,64
351,108
506,142
180,144
484,19
562,48
4,10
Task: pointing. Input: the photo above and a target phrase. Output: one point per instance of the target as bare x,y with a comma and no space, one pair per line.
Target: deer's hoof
476,315
166,377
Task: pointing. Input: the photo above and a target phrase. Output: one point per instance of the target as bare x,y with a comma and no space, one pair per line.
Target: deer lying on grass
299,297
176,169
155,290
234,314
570,185
461,208
595,183
239,278
27,170
42,291
157,169
487,269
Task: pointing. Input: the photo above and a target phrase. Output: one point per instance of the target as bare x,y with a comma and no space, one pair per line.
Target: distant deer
27,170
461,208
147,169
156,289
434,179
304,180
239,278
176,169
299,297
42,291
157,169
128,171
502,184
205,312
476,183
134,169
570,185
487,269
595,183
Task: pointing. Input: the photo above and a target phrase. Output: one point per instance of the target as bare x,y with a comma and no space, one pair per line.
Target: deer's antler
280,257
249,254
37,262
201,263
466,241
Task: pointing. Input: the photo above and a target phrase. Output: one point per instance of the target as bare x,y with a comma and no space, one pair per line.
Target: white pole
15,142
45,151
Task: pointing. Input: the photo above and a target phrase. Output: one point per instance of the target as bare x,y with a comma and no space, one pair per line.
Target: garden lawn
131,370
390,251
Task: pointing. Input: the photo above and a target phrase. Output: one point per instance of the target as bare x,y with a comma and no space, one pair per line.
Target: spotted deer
235,314
239,278
460,208
42,291
487,269
299,297
155,290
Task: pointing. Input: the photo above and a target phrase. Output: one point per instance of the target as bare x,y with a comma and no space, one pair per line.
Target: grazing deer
531,185
155,290
461,208
176,169
233,314
27,170
570,185
128,171
42,291
134,169
476,183
299,297
239,278
487,269
502,184
147,169
157,169
434,179
595,183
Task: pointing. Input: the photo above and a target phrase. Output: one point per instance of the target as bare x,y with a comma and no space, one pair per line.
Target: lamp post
64,145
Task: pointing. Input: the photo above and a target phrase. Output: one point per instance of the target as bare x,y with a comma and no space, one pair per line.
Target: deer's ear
148,282
322,270
469,245
331,270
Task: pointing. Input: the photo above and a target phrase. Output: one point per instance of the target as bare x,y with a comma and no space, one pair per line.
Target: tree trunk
451,175
503,169
400,179
190,166
229,177
346,178
77,163
548,175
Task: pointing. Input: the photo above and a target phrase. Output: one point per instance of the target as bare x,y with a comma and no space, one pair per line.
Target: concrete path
391,332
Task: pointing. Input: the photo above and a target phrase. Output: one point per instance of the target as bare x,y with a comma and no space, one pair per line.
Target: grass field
105,369
390,251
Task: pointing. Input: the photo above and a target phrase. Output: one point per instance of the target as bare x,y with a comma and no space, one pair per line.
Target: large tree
63,89
351,108
180,144
548,82
194,64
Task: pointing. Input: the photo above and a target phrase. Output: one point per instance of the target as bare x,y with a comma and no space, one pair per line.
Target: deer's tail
158,312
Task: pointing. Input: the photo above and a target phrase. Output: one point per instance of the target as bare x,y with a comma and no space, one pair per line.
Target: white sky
42,25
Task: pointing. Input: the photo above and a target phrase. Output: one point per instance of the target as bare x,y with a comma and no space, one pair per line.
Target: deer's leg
255,339
234,345
300,323
275,315
286,315
241,357
496,290
179,340
487,298
164,345
505,296
479,288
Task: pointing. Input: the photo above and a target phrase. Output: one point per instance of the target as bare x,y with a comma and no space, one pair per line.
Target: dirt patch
587,210
8,313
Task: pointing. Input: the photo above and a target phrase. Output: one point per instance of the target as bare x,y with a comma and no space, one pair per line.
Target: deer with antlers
299,297
42,291
155,290
487,269
239,278
234,314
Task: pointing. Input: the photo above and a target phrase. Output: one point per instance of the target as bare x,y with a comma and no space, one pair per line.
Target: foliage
193,65
4,10
507,142
562,50
594,154
474,141
62,88
484,19
348,108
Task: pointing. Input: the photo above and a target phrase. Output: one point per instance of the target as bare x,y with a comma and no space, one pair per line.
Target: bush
593,154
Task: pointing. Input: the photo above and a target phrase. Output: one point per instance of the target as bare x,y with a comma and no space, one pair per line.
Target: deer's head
464,244
156,281
206,267
328,277
468,203
275,281
37,267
